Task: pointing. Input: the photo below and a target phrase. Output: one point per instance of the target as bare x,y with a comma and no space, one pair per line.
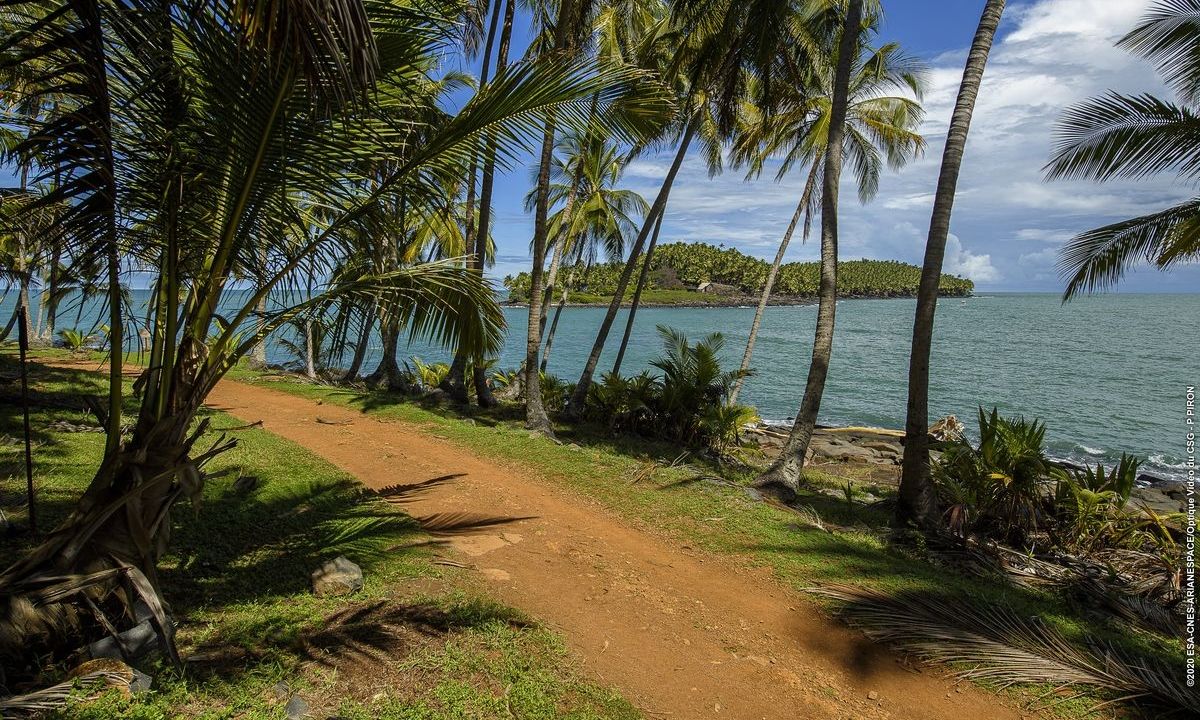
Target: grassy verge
422,640
708,508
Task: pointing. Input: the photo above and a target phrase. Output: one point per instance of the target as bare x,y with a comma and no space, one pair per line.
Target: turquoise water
1107,374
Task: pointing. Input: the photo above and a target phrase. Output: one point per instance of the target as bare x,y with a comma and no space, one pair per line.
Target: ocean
1107,374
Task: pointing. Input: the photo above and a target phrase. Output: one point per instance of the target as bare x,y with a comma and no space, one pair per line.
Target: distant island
699,274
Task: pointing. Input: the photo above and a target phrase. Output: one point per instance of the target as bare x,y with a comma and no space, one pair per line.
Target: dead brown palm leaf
55,697
1003,648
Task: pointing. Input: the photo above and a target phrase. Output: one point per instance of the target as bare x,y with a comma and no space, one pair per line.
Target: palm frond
1097,259
1123,136
1169,36
1004,648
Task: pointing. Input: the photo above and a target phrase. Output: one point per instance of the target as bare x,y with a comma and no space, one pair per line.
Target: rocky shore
878,453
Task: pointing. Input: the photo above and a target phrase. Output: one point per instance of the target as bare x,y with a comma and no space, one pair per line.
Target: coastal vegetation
318,175
685,266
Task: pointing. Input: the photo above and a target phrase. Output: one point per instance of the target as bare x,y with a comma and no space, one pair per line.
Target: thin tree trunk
578,399
310,363
637,293
51,296
916,497
483,391
258,356
535,411
772,274
24,270
554,323
784,473
39,328
360,348
455,382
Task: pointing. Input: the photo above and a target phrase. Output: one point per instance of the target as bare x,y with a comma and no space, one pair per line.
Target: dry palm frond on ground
1004,648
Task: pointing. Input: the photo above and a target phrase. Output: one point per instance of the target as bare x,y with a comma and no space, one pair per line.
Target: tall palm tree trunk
310,362
560,246
784,473
554,323
483,391
916,498
455,383
772,274
360,347
50,297
535,411
575,405
637,293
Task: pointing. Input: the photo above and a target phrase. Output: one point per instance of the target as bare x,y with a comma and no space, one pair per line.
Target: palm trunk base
483,390
455,383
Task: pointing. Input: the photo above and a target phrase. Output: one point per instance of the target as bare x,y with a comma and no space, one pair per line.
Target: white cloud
959,261
1041,259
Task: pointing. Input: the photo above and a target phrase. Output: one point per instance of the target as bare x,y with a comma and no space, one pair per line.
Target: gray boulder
337,577
297,709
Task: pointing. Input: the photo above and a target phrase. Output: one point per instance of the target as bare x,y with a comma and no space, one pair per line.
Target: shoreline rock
884,449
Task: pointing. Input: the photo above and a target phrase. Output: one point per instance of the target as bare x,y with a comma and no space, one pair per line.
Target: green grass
721,518
237,576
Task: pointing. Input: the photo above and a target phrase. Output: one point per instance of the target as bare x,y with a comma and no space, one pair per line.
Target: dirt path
681,634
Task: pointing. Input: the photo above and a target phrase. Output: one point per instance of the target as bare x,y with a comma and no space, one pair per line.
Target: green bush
72,339
998,486
687,403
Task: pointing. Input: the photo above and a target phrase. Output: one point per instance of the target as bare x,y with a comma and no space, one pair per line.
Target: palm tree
246,144
1124,136
455,383
719,45
627,32
784,473
565,42
636,300
596,217
916,498
879,128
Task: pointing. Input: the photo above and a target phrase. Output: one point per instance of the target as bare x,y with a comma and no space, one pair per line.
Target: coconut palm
784,473
595,217
880,128
1135,136
455,383
626,32
213,141
719,45
916,497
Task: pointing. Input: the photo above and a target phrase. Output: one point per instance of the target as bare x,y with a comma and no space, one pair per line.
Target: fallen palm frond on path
1003,648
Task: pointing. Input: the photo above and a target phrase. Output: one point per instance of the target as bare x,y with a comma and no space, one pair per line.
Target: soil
679,632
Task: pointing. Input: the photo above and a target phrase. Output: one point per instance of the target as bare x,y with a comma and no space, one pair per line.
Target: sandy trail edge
681,634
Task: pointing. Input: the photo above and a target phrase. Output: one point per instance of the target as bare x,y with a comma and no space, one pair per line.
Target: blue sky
1008,223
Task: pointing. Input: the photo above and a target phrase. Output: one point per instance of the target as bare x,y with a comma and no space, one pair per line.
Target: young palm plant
204,142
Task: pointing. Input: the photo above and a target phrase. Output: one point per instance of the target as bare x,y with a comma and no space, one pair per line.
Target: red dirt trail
679,633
